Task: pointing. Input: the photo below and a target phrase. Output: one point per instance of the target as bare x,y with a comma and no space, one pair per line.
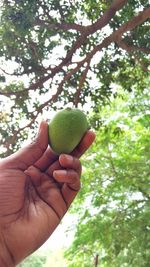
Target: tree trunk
96,261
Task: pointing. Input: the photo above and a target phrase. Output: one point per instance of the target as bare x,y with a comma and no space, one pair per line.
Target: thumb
31,153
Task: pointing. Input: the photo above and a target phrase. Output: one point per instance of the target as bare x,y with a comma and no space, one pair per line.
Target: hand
36,189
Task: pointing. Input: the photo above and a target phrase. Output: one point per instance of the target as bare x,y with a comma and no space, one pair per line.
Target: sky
63,235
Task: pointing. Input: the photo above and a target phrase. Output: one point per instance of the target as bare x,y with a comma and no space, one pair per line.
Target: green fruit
66,130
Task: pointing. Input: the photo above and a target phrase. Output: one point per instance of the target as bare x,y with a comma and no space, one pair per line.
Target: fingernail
41,124
68,158
59,173
40,127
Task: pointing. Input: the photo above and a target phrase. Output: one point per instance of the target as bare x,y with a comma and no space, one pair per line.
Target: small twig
81,83
7,73
11,140
61,26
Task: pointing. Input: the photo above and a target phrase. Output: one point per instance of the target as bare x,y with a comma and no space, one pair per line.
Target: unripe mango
66,129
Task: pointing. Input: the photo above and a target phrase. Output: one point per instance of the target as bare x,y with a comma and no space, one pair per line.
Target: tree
114,203
67,53
35,260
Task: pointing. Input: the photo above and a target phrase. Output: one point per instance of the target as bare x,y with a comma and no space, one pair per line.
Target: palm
27,218
33,198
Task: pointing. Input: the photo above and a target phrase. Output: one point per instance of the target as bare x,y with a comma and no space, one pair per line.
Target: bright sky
63,235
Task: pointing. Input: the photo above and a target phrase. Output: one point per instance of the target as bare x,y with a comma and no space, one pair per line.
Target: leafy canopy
56,53
114,203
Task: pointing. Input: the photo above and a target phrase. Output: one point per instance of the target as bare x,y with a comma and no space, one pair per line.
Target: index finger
84,144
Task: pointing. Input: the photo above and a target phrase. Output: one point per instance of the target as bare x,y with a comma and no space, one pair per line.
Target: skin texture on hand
36,189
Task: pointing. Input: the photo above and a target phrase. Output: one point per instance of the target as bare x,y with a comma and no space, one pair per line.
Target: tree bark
96,260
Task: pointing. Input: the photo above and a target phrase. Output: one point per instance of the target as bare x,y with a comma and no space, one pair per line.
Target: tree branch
107,16
81,83
33,86
131,24
130,48
91,29
62,26
60,87
12,139
116,36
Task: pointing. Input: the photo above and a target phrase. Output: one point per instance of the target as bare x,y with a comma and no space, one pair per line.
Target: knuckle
76,163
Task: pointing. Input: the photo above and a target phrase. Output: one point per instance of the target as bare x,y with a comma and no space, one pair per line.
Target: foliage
114,203
56,259
35,260
56,53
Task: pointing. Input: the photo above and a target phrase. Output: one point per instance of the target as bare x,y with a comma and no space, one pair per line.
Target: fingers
71,184
72,172
31,153
70,162
48,191
65,161
36,175
46,160
49,157
84,144
66,180
69,177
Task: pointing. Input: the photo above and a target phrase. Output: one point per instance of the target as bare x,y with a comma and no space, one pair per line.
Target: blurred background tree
114,203
35,260
56,53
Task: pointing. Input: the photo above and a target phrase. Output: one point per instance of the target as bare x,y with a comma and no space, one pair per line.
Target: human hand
36,189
